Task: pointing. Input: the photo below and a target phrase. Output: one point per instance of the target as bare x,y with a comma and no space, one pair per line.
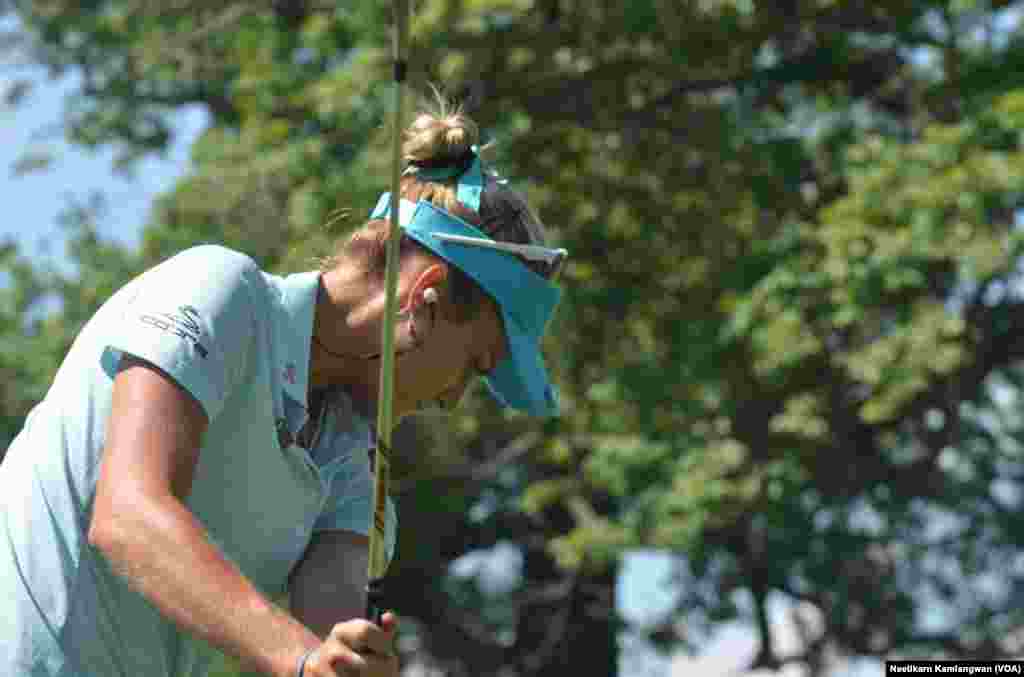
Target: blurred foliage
789,340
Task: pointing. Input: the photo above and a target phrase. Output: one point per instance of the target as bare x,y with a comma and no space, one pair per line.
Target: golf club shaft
382,457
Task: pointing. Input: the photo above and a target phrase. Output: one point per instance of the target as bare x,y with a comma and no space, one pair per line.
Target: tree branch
477,473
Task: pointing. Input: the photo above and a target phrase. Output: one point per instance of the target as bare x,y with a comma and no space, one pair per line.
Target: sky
32,204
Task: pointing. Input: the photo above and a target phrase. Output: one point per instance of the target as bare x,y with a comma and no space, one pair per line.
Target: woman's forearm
161,549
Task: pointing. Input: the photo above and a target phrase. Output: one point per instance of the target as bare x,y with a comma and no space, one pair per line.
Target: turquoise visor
526,300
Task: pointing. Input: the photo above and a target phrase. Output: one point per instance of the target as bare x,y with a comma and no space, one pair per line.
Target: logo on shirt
184,323
290,373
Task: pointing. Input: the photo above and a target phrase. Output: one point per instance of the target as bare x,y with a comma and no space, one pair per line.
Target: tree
790,313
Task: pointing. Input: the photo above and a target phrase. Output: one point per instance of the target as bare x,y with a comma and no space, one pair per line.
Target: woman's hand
356,647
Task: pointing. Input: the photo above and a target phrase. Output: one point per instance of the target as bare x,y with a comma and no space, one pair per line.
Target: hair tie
441,169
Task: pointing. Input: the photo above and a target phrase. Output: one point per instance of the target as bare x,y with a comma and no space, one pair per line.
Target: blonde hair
446,132
443,136
440,134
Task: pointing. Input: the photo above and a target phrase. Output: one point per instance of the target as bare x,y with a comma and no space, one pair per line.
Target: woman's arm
151,538
329,584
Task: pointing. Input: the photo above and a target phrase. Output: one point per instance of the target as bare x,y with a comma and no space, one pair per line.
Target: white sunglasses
551,258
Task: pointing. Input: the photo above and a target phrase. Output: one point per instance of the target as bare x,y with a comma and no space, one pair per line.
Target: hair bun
456,134
436,138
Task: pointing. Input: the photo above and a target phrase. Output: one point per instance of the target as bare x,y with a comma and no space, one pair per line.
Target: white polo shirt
238,340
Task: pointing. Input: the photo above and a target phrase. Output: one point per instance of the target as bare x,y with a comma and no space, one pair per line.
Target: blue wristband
302,662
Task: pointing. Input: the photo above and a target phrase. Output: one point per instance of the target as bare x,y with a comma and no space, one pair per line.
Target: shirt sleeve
349,505
192,316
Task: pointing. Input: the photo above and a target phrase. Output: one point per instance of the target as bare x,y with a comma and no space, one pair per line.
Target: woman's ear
426,285
420,311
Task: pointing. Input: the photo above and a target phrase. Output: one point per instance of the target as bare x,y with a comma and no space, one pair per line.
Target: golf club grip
375,601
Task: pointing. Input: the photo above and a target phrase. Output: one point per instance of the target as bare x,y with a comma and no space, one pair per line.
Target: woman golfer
204,447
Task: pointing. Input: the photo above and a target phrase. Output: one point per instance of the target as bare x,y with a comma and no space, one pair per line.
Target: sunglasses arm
527,251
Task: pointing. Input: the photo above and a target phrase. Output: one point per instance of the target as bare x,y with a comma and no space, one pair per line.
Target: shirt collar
298,302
